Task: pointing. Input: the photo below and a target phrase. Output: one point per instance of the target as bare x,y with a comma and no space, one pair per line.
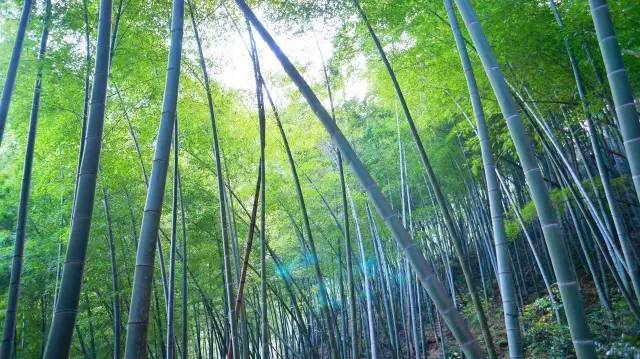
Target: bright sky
233,69
231,66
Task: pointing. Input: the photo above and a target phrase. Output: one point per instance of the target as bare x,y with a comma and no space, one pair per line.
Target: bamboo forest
320,179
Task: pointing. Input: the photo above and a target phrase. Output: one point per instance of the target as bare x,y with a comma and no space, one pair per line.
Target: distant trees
535,198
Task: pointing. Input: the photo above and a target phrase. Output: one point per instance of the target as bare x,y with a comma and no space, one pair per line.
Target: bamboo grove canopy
325,179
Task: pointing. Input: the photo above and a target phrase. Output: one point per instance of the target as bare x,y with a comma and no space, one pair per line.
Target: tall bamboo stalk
620,87
64,318
325,303
628,124
171,345
367,285
264,318
12,71
229,296
505,276
25,189
114,274
425,272
563,268
136,342
184,309
345,231
454,233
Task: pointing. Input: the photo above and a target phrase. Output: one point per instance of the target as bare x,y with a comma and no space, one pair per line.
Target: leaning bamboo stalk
505,276
237,308
25,189
565,272
136,342
620,86
454,233
623,235
61,331
325,304
427,276
345,229
12,71
386,285
184,309
583,246
87,89
536,255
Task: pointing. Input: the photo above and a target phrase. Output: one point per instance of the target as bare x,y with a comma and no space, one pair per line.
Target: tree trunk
10,80
171,345
25,188
367,284
620,87
136,342
61,331
114,275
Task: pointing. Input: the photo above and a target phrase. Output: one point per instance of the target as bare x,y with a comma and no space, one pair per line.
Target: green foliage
543,336
422,52
618,339
559,198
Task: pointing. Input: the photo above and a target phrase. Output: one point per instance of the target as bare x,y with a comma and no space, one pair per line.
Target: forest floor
543,338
